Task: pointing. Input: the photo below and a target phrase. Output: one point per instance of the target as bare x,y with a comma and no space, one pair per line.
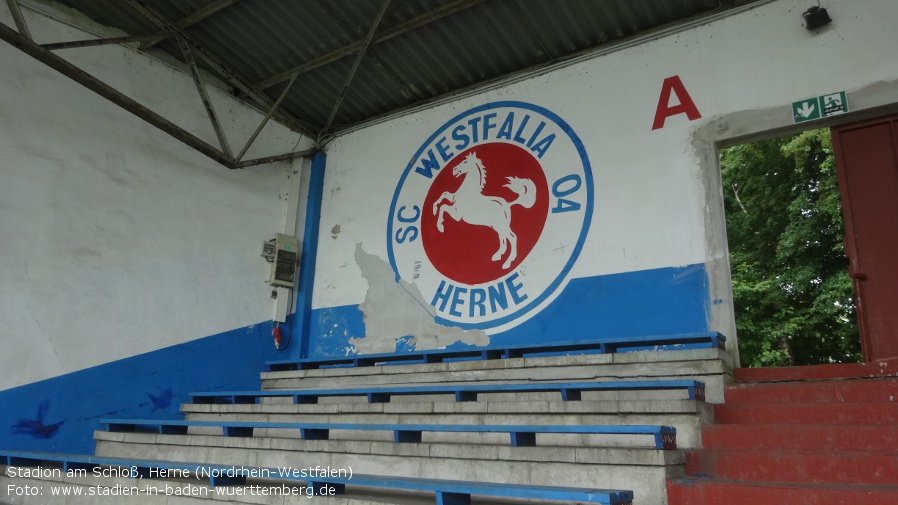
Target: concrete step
711,366
514,363
643,469
479,407
800,437
688,425
90,490
702,491
554,396
816,442
845,467
820,413
93,490
834,391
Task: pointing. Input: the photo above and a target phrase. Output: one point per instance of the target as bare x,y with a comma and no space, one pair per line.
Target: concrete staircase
780,439
576,460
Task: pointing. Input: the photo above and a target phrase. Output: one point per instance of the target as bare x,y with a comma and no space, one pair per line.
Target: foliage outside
794,298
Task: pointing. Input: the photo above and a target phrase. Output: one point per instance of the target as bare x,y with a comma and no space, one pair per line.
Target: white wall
116,239
658,200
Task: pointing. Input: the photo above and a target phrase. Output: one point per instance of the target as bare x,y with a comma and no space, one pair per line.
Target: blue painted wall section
648,302
60,414
300,321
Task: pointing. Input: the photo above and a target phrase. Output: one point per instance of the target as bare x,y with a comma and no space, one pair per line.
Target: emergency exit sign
820,107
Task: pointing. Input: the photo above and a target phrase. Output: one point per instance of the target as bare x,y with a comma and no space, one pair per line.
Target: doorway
792,290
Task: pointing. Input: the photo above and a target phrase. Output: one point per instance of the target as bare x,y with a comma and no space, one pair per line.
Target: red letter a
664,110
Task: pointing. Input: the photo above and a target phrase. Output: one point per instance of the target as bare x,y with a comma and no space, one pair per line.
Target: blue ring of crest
562,275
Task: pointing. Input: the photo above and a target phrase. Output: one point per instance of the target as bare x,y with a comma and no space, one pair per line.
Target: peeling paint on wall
396,316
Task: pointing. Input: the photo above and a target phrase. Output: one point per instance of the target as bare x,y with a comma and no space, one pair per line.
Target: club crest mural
491,213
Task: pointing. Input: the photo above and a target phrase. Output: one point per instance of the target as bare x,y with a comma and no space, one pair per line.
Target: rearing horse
470,205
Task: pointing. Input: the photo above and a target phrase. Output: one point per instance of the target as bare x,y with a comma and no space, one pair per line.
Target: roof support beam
272,159
387,69
16,12
230,75
92,83
193,19
332,56
100,42
207,102
355,67
264,121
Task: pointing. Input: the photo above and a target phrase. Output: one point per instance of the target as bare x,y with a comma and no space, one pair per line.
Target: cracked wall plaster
396,312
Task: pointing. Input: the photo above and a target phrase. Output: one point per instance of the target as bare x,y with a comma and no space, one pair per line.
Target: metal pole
232,76
355,67
265,121
99,42
355,46
207,102
92,83
193,19
16,12
272,159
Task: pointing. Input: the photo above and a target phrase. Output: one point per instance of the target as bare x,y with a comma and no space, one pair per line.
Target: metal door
866,156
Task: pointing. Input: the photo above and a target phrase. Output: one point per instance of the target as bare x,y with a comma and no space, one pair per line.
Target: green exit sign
810,109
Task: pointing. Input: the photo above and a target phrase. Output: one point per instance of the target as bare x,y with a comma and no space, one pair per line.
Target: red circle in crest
487,196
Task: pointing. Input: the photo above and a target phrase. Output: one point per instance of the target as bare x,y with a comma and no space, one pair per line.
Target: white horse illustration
470,205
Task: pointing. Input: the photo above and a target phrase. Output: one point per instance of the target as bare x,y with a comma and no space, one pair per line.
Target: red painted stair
831,440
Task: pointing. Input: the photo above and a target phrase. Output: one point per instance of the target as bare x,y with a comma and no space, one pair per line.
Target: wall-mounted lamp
815,17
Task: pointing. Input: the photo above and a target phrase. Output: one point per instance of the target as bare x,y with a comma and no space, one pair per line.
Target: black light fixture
815,17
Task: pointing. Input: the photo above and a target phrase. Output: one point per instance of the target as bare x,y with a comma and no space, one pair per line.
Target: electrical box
284,260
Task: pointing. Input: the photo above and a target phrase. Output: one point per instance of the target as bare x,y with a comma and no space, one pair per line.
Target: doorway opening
792,291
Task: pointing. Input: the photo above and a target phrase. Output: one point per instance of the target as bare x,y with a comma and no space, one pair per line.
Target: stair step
713,372
214,481
800,437
880,368
874,468
838,391
821,413
548,366
703,491
643,469
453,408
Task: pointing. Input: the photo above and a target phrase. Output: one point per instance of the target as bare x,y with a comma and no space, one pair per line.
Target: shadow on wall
60,414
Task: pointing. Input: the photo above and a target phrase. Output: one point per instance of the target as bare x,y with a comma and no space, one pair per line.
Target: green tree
793,296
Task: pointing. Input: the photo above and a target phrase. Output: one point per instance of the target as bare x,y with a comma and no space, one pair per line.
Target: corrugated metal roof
422,49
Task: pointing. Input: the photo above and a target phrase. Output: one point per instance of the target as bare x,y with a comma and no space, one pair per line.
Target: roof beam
16,12
100,42
230,75
207,102
272,159
387,69
355,67
332,56
92,83
264,121
193,19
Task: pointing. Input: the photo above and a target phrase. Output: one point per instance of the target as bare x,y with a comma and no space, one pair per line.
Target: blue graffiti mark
36,427
161,401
